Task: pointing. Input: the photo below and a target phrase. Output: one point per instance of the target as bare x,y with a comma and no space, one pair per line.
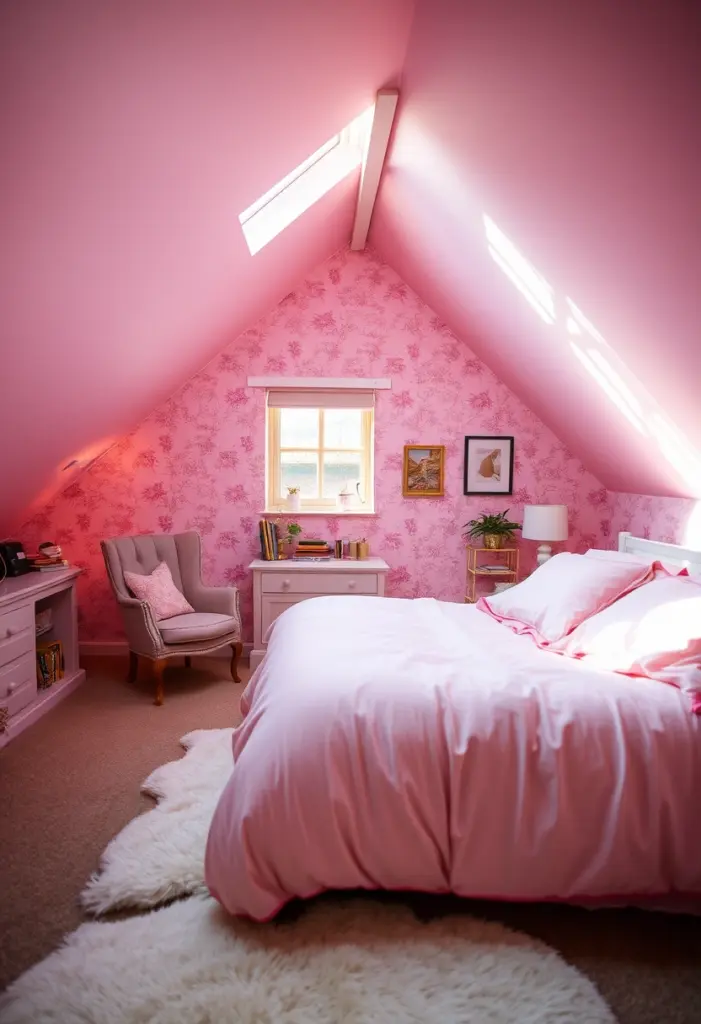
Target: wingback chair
215,623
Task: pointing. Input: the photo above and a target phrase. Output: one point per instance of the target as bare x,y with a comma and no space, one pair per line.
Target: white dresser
21,702
279,585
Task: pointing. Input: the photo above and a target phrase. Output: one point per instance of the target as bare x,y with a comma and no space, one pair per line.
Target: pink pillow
671,568
654,631
563,592
160,592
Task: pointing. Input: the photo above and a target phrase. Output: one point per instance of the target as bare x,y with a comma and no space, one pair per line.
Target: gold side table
505,558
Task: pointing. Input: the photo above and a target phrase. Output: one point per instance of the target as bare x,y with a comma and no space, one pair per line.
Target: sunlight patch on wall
600,360
692,531
532,285
281,205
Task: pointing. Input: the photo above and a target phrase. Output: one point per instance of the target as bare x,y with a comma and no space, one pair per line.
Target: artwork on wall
489,465
423,470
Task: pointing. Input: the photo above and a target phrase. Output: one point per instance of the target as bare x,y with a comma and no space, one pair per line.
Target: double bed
423,745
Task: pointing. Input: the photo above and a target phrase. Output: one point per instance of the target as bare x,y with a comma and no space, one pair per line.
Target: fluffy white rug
353,963
160,854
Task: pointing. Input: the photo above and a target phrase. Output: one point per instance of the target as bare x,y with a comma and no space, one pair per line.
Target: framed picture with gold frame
423,474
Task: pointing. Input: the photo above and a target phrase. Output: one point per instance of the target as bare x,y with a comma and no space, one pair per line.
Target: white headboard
658,549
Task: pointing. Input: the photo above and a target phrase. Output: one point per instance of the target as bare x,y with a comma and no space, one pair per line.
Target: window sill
332,512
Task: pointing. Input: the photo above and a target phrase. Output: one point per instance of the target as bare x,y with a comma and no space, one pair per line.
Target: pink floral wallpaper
197,462
667,519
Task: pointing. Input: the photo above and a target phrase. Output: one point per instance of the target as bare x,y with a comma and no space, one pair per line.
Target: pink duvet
421,745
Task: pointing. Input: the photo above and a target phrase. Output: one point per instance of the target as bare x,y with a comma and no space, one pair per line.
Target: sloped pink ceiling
134,133
575,127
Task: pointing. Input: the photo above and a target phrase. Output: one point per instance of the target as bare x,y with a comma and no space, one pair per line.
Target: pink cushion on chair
563,592
196,626
159,590
654,631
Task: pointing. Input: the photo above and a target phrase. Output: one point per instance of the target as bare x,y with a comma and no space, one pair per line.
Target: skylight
277,208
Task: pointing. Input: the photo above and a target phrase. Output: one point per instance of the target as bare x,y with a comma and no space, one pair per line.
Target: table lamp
544,523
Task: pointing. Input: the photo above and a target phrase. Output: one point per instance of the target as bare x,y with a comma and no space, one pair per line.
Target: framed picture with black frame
489,465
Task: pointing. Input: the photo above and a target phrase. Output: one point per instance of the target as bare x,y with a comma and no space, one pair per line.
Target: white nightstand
279,585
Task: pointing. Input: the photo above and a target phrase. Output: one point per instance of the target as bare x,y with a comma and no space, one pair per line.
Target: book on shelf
494,568
50,663
269,541
311,558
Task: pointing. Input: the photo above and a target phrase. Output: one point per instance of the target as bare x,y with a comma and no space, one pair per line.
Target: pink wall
198,460
574,126
675,520
134,133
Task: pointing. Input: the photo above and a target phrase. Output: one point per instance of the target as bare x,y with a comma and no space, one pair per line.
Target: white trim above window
321,399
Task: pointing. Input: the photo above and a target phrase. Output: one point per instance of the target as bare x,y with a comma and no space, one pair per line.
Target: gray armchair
215,623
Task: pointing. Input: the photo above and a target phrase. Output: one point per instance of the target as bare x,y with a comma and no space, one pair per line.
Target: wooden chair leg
158,667
133,667
188,661
236,650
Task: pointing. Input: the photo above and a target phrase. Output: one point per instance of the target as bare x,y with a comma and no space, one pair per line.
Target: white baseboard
120,649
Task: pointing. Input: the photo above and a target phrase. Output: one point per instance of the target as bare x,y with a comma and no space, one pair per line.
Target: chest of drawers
21,702
279,585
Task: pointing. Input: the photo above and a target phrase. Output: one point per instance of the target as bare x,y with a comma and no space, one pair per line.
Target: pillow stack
618,613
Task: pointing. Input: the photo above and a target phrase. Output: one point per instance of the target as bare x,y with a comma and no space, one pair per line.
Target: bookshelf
506,559
21,598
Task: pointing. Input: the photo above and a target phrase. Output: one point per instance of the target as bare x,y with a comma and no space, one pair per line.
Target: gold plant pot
494,541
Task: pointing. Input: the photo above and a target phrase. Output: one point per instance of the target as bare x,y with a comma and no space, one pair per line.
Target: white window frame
276,501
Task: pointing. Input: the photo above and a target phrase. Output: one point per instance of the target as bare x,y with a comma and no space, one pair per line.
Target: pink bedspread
421,745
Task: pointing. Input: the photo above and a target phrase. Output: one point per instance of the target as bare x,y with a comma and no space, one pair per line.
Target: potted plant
493,530
294,499
289,539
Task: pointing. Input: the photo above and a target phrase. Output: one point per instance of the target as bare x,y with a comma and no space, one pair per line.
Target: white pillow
653,631
563,592
672,568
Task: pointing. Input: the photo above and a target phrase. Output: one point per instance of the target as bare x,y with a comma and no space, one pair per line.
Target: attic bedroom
350,517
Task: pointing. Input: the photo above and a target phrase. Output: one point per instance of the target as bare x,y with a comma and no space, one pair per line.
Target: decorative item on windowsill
544,523
494,531
294,499
344,498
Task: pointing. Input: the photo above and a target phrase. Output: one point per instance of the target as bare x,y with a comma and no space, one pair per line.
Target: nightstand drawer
321,583
15,621
18,683
16,633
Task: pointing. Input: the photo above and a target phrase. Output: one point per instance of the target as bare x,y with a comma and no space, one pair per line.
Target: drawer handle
351,584
285,584
11,689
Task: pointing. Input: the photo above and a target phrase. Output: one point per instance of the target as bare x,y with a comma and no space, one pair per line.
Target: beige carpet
72,782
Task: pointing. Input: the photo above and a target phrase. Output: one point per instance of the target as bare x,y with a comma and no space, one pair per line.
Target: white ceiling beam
385,106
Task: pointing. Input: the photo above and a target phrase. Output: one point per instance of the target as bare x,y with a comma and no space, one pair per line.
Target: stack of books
312,551
49,663
269,541
46,563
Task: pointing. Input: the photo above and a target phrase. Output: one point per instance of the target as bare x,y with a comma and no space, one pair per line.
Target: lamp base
544,553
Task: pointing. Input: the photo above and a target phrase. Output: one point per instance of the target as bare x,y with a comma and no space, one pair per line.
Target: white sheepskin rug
159,856
346,962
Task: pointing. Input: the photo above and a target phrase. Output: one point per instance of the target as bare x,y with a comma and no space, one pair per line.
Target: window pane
342,428
299,428
299,469
341,468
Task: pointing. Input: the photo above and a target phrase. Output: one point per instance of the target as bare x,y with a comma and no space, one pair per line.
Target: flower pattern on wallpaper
198,461
655,518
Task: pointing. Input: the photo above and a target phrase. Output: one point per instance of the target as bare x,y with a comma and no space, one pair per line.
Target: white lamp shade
544,522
